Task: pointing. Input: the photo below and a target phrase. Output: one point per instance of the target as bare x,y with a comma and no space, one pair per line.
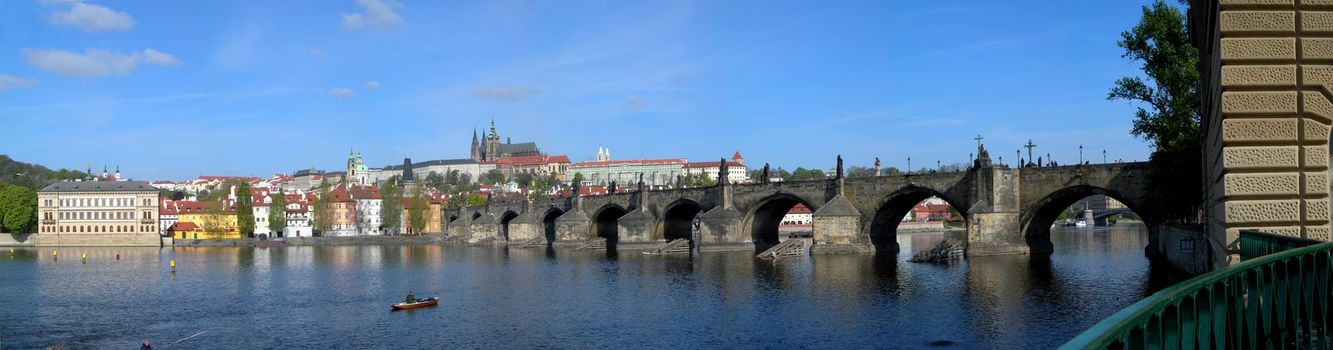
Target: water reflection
319,297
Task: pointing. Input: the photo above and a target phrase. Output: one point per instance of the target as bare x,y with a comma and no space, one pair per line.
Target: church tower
476,148
491,144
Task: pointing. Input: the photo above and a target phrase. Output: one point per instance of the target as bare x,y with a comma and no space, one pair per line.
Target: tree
245,212
475,200
464,179
524,180
18,209
452,178
215,209
494,176
436,181
577,181
802,174
1171,120
392,207
323,208
417,211
277,213
860,171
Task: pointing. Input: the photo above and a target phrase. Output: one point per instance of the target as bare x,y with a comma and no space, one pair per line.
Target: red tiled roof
799,209
183,226
737,156
366,192
339,194
532,160
634,162
168,207
225,178
697,165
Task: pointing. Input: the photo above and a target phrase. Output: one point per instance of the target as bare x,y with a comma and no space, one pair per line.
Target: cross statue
1030,146
979,138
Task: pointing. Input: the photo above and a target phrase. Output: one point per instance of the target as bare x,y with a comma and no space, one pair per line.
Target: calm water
338,297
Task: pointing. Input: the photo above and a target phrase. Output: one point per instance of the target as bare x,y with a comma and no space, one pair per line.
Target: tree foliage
418,211
1168,115
391,207
215,213
18,209
323,208
277,213
245,212
577,181
493,177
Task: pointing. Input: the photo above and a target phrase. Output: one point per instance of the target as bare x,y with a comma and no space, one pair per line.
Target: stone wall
98,240
1267,114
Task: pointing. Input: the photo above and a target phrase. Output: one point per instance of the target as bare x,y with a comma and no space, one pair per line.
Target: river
338,297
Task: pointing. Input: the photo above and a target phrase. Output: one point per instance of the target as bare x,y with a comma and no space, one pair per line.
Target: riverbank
314,241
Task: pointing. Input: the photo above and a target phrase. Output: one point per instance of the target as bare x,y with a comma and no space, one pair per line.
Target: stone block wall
1276,79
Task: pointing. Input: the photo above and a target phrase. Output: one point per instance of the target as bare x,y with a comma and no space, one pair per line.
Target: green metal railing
1279,300
1255,244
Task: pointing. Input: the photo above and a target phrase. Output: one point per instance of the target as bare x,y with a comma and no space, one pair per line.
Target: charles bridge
1007,210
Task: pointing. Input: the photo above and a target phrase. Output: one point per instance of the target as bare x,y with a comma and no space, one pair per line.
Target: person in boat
411,298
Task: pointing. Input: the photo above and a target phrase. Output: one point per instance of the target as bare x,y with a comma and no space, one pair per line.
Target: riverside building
98,213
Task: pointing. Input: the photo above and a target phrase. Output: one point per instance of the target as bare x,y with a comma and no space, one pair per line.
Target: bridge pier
994,224
837,227
484,227
573,225
637,226
526,226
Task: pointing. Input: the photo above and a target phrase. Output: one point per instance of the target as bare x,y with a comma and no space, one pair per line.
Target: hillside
33,176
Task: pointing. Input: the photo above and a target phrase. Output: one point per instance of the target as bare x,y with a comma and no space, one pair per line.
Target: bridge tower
994,225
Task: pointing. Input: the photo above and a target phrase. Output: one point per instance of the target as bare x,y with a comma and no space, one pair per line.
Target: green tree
391,207
18,209
215,211
577,181
494,176
418,211
277,213
436,181
475,200
453,178
245,213
323,208
1168,116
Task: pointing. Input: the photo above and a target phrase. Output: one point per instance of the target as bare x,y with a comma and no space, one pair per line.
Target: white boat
1080,223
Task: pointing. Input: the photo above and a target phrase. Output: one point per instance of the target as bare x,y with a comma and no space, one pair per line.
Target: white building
368,203
298,220
656,172
167,215
736,172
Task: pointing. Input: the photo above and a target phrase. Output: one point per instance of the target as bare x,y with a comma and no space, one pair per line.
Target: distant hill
33,176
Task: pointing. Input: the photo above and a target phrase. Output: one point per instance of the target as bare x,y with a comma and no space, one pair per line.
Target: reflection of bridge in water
1006,210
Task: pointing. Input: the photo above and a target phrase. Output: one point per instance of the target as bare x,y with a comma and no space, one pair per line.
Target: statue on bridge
765,178
723,171
839,166
612,188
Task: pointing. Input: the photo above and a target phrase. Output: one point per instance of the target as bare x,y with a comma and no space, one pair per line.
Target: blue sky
175,89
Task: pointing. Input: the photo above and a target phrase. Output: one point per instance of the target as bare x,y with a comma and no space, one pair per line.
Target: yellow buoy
173,265
85,257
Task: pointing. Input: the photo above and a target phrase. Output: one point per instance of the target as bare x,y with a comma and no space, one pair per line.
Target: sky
177,89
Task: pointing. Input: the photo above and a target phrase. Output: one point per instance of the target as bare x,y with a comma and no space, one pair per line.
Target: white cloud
11,82
504,93
94,62
634,104
373,85
342,92
93,18
377,14
160,58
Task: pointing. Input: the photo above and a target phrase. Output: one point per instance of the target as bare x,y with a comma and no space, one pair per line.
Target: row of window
97,202
95,229
98,215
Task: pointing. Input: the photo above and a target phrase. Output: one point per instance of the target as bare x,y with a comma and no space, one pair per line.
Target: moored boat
428,302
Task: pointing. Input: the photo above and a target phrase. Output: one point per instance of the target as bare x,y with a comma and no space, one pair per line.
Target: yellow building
196,222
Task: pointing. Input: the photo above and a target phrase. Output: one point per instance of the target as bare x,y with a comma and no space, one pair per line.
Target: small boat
428,302
1080,223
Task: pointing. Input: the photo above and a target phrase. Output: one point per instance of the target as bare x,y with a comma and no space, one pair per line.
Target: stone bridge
1007,211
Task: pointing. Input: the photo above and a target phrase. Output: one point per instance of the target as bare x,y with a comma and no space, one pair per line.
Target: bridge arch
476,215
883,228
605,223
1041,214
505,218
548,223
763,219
678,219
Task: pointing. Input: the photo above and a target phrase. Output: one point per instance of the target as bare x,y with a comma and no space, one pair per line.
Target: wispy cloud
504,93
11,82
151,99
376,14
342,92
93,18
95,62
634,104
373,85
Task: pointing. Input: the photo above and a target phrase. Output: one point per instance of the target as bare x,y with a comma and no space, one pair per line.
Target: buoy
173,265
117,256
85,257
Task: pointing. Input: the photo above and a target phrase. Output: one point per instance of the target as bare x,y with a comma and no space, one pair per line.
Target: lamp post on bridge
1049,160
1018,158
938,167
1080,154
1103,156
909,165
